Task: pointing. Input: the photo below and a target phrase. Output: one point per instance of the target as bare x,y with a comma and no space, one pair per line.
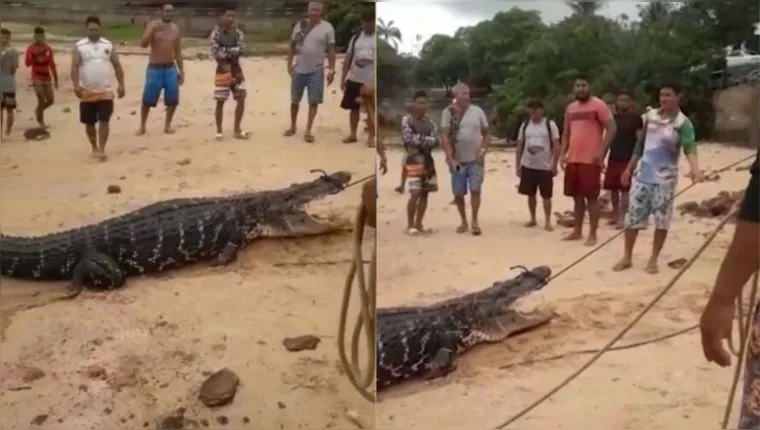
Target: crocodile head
489,315
284,214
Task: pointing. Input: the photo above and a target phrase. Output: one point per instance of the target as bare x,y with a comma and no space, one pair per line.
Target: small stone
300,343
94,371
221,419
66,109
33,374
281,405
39,420
204,422
677,264
184,162
113,189
246,420
220,388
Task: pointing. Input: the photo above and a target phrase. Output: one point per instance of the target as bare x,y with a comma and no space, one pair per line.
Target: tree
389,32
585,8
345,16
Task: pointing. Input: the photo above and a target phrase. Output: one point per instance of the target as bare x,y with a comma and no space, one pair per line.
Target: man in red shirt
39,56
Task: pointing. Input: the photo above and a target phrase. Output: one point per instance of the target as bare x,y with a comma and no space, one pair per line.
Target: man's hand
697,176
481,156
120,91
554,170
625,178
343,85
454,164
383,165
599,160
55,85
181,77
330,76
518,171
563,162
290,69
716,325
78,91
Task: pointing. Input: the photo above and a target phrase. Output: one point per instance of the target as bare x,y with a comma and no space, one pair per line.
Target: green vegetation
515,56
117,33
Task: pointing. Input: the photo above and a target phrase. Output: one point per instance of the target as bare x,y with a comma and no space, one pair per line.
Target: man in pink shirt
588,131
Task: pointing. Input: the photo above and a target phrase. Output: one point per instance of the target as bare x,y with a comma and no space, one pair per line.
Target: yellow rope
366,317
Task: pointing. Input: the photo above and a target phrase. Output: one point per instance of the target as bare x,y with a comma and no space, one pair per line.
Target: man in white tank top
93,60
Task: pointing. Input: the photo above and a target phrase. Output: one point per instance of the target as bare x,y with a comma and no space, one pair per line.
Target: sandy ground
159,338
659,386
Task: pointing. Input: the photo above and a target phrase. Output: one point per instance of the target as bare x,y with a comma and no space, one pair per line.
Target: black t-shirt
621,148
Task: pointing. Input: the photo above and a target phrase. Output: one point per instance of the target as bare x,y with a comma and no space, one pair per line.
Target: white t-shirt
310,51
362,68
537,153
96,67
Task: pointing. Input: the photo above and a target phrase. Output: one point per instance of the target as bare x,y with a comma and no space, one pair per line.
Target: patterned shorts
223,87
313,83
647,200
749,417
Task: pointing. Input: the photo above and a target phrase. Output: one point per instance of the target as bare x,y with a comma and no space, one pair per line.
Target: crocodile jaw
296,224
511,322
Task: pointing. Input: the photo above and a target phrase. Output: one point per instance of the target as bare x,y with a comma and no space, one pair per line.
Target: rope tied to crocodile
367,287
598,353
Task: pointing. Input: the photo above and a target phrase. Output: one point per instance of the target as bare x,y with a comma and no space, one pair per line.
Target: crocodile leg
442,362
233,245
97,270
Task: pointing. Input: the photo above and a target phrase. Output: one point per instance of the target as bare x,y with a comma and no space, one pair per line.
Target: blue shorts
314,82
469,176
161,77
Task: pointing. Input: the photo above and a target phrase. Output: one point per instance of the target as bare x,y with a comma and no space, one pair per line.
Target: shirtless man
165,67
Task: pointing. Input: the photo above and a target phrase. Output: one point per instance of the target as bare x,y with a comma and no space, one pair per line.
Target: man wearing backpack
358,69
537,157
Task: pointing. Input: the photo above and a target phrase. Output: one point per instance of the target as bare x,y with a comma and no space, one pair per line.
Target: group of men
633,156
95,60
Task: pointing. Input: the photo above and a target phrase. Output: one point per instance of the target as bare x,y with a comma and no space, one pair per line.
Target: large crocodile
424,341
166,235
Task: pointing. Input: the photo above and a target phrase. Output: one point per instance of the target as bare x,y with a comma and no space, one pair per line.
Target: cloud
551,11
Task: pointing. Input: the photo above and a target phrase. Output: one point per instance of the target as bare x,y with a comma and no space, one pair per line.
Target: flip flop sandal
350,140
289,133
476,231
242,135
461,229
412,232
219,137
309,138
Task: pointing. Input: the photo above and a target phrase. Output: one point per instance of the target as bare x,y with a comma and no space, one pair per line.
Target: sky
425,18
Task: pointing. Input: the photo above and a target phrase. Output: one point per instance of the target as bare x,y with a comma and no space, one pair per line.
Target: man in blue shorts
312,38
165,68
465,138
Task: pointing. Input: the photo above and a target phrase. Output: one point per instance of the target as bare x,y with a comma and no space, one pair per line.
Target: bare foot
622,265
531,223
548,227
140,132
463,228
289,132
573,236
591,241
652,268
169,130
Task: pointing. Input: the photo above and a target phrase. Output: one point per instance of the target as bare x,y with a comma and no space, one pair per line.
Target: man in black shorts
91,63
9,63
537,158
358,69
